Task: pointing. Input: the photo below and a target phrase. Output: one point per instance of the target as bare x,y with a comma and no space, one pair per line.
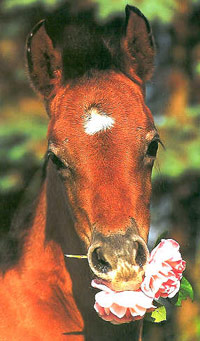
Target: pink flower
121,307
164,270
162,279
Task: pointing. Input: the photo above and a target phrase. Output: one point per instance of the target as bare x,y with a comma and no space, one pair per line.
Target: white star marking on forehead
97,121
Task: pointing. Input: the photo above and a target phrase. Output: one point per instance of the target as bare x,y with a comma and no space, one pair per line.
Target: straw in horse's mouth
76,256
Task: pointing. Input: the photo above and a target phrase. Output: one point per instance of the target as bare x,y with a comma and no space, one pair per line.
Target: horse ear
43,60
137,45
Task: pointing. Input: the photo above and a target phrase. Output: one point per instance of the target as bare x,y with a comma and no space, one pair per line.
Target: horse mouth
104,282
131,285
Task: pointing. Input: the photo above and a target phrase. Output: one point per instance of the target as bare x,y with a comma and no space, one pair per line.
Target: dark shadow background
174,98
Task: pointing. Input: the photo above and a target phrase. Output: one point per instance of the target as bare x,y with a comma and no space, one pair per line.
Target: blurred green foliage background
174,98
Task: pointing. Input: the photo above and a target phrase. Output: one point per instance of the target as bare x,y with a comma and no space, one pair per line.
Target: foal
95,194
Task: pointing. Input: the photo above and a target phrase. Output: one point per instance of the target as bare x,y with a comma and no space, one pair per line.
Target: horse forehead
109,102
111,90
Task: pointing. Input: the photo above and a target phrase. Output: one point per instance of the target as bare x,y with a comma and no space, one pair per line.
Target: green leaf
185,291
162,236
159,314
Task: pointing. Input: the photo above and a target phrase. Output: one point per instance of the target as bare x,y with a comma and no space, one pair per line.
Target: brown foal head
101,135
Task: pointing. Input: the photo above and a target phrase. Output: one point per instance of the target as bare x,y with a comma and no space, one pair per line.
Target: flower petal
164,271
104,299
99,309
99,285
118,310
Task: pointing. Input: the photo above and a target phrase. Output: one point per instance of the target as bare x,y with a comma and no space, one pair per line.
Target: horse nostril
141,255
99,262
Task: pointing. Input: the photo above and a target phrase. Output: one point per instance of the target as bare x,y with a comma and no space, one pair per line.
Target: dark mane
84,43
11,243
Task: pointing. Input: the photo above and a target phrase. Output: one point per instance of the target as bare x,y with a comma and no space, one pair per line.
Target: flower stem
76,256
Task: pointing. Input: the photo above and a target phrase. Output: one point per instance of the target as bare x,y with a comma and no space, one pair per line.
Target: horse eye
57,162
152,149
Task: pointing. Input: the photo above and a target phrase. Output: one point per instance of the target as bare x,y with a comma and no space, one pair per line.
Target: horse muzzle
119,259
